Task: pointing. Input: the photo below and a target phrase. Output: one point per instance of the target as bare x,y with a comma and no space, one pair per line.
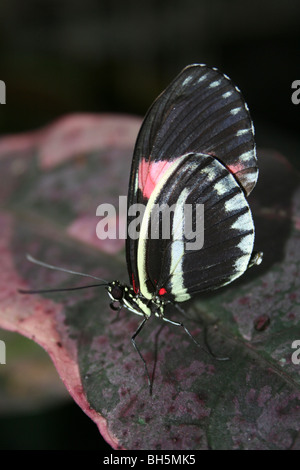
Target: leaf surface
52,182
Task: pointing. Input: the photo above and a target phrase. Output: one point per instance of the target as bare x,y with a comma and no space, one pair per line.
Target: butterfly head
116,291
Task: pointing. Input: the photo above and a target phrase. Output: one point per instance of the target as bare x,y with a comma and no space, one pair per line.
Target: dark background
65,56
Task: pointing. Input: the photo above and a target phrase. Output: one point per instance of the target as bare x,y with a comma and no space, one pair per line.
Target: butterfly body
136,302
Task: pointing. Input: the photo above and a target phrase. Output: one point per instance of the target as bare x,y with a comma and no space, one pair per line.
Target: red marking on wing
150,173
162,291
136,290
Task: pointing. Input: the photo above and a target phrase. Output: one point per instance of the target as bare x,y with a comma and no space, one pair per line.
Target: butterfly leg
116,308
178,323
138,330
208,350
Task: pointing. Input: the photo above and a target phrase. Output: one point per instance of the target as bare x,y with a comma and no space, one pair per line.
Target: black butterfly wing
200,111
170,265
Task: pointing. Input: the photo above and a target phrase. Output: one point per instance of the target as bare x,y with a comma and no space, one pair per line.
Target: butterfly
195,148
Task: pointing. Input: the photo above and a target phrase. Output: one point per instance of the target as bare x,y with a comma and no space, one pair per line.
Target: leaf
29,382
53,181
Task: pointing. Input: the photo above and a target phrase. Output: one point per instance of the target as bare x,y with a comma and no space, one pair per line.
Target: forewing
200,111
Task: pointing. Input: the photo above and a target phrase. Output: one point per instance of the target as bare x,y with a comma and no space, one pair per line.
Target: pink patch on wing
235,168
150,173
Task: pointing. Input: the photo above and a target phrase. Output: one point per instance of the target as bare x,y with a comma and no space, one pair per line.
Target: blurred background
113,56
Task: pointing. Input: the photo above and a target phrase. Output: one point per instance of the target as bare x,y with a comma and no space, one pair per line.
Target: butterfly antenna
43,291
58,268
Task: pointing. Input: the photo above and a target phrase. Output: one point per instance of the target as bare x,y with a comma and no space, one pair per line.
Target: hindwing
170,265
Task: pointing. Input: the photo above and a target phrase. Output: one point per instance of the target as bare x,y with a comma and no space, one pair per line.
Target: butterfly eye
117,292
